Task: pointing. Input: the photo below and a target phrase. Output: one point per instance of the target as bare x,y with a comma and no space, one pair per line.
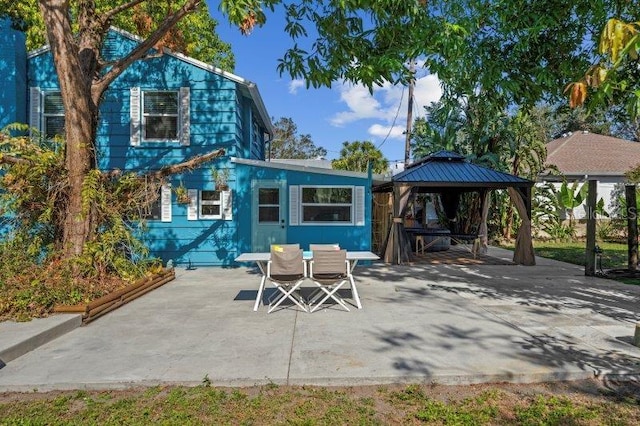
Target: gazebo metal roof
449,169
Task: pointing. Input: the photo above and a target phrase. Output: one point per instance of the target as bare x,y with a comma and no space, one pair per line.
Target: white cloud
387,106
360,103
294,85
381,131
427,91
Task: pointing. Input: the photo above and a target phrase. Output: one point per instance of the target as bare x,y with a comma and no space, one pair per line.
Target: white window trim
217,202
138,118
352,205
45,114
144,116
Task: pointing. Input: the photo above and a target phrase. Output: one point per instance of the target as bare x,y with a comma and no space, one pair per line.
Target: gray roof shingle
584,153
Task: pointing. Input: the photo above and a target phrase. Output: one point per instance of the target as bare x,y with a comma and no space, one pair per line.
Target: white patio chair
329,270
286,271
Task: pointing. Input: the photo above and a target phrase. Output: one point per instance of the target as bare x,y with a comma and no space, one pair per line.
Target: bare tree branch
113,12
100,85
10,159
186,165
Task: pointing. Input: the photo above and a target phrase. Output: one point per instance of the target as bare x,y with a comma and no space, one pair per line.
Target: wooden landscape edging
111,301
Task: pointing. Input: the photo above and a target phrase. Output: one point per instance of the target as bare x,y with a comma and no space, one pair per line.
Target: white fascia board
580,176
307,169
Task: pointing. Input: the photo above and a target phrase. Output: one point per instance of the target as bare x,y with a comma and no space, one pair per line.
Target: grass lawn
576,403
614,255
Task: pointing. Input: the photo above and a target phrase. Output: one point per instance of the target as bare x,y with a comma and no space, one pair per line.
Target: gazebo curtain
397,248
523,254
483,231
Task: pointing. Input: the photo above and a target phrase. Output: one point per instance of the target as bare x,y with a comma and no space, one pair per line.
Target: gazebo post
398,247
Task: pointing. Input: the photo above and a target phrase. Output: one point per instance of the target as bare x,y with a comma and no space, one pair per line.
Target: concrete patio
423,323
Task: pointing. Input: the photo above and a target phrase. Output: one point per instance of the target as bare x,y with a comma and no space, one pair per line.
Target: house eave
579,176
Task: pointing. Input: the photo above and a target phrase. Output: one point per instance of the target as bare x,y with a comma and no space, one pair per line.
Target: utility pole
407,142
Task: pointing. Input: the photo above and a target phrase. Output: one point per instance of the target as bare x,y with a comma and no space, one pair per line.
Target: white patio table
261,259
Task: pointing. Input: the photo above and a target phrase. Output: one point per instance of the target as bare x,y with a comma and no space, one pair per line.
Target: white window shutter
165,206
359,206
227,205
134,114
185,121
192,209
35,109
294,204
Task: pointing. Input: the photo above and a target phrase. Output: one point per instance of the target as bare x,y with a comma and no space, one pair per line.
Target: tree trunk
76,58
80,122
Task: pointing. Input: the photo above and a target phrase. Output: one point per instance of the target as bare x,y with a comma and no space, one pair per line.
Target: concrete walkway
422,323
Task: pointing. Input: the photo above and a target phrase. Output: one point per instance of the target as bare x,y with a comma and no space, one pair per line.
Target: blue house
168,108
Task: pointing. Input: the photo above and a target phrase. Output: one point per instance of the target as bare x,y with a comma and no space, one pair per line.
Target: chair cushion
336,276
287,278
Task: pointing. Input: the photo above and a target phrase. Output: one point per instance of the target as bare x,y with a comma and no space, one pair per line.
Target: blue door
269,214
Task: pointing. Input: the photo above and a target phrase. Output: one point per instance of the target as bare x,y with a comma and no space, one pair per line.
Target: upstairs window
52,115
160,115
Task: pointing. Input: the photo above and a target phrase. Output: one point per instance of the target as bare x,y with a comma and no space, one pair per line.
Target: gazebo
449,174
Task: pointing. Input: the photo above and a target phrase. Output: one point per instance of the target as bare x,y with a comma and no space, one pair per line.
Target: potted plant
221,177
182,195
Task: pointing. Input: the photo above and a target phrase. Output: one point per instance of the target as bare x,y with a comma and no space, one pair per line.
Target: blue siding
221,115
13,63
350,237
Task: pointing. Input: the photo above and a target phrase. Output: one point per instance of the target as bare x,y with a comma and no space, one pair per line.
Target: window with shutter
329,205
294,204
210,205
359,206
160,116
154,210
35,108
52,115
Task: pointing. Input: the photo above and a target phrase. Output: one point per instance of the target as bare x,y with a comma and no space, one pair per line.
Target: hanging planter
182,194
220,177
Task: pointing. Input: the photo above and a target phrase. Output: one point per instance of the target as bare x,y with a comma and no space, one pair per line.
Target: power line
394,119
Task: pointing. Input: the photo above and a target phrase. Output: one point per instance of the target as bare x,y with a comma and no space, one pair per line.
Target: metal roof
449,169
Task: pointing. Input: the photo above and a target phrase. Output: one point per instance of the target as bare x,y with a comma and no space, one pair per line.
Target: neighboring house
168,108
583,156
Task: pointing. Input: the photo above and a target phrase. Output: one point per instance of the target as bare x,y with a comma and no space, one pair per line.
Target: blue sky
333,115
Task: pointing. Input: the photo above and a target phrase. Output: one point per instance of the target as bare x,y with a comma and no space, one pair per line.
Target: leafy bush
33,276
